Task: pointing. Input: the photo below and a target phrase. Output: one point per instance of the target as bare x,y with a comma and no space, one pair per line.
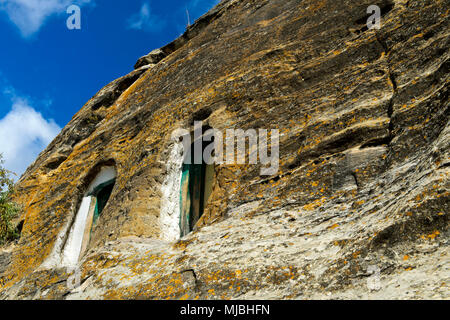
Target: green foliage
8,209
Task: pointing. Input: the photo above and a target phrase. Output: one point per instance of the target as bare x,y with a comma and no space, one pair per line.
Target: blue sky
48,72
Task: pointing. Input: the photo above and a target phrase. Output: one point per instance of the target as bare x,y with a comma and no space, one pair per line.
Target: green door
196,185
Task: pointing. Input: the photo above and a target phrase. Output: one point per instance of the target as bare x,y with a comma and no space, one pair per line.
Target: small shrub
8,209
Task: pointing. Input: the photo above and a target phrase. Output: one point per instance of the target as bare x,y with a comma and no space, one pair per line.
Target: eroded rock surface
358,209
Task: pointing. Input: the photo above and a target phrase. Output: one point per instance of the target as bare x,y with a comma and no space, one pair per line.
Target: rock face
151,59
358,209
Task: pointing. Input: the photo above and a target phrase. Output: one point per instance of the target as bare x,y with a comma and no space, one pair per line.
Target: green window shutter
185,201
102,192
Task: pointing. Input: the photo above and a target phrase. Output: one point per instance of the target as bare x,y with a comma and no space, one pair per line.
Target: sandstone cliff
364,152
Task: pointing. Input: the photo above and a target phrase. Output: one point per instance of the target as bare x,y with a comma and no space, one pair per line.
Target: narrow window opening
196,188
20,226
90,210
102,194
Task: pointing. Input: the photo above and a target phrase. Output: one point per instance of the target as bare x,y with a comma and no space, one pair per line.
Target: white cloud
30,15
145,20
24,133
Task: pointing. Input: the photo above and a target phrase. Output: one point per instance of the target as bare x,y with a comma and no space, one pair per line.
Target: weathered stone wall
364,153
